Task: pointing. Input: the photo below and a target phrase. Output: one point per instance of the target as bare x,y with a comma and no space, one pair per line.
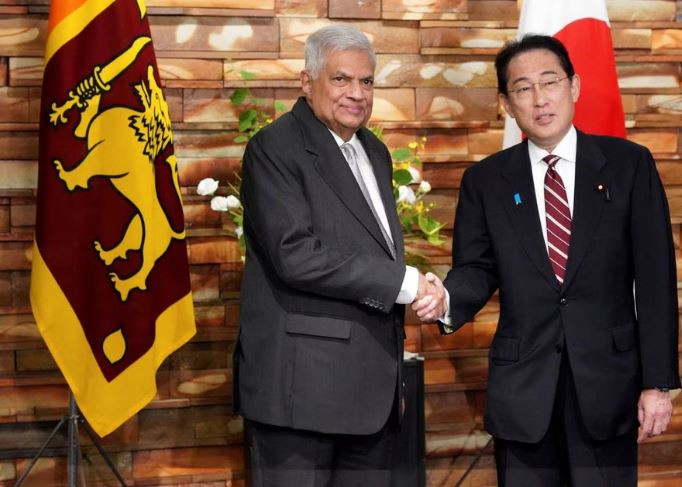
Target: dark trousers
285,457
567,455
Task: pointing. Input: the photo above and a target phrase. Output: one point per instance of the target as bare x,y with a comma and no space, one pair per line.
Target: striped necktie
558,217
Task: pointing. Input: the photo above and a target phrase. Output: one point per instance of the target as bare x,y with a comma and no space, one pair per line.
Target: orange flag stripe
61,10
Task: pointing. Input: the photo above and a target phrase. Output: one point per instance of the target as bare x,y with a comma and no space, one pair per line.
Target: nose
354,90
539,96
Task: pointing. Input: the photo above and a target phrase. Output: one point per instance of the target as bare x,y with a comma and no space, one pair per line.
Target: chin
353,124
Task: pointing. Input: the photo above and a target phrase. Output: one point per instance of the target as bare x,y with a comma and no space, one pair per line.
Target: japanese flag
583,27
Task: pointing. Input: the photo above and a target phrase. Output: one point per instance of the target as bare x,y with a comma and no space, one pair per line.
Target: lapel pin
517,199
602,188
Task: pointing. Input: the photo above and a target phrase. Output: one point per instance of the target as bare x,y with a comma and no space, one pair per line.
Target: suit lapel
383,172
333,168
588,202
524,215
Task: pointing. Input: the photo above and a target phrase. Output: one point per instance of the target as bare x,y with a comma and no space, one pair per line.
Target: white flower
424,187
233,202
405,194
239,231
219,203
207,186
416,175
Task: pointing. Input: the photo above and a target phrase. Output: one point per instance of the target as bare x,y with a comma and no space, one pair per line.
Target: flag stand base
74,449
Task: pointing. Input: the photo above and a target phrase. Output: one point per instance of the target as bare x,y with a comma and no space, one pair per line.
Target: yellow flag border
106,405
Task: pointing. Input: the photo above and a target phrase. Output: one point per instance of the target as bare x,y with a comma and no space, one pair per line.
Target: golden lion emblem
122,145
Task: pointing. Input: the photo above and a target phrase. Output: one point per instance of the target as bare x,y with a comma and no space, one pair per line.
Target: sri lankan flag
110,286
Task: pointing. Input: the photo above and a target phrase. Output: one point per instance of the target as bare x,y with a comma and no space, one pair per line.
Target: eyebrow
346,75
526,78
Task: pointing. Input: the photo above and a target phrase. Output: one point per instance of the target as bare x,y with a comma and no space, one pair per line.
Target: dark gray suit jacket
617,344
320,338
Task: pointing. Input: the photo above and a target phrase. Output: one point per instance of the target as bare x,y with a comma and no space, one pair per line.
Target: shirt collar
566,148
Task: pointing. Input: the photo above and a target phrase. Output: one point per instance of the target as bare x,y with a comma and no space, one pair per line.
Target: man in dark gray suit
318,358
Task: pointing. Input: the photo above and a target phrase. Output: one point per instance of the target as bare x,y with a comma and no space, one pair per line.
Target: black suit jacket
320,338
617,343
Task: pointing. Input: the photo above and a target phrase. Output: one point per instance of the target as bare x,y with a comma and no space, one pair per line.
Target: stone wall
435,78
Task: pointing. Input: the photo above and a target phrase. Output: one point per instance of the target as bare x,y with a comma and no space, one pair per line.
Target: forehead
351,61
531,64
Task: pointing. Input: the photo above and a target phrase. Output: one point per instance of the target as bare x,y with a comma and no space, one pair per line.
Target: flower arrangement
409,189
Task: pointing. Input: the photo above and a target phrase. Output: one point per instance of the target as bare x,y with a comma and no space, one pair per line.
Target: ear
504,100
306,83
575,87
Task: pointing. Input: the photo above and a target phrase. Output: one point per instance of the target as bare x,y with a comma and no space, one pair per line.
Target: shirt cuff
445,319
408,290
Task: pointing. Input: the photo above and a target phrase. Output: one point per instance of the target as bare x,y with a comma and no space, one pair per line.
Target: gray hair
332,38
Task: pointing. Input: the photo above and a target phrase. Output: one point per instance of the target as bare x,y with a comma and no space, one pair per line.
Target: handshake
430,304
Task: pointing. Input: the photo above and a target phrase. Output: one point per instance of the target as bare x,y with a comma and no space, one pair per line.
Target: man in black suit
319,353
564,224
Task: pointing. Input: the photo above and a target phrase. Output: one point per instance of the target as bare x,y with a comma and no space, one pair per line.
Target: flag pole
73,446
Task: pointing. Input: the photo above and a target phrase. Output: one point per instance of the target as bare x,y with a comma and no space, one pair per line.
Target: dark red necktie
558,218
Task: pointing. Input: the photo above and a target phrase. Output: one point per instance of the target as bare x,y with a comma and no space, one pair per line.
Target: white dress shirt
408,290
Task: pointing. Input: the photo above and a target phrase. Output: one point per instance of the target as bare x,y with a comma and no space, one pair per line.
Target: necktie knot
348,151
551,160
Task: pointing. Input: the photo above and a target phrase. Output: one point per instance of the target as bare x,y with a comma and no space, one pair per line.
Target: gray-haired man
318,360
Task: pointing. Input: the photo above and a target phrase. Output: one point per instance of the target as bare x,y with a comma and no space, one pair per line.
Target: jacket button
558,348
563,301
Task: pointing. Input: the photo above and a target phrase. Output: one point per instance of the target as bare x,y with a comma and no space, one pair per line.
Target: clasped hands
430,304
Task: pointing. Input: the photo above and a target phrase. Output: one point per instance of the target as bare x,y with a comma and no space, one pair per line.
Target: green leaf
238,96
407,221
402,177
435,240
428,225
240,139
246,119
280,106
247,75
401,154
237,217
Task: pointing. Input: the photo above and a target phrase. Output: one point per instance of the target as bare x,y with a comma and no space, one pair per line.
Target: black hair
527,43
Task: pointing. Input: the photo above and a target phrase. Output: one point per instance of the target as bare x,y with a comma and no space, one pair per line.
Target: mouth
544,118
356,111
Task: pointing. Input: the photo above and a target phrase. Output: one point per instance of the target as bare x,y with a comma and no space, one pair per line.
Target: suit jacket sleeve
473,278
278,222
655,277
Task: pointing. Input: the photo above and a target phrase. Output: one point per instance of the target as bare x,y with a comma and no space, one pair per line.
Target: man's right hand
430,303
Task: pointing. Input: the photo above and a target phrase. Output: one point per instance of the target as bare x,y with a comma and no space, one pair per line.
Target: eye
523,89
550,84
368,82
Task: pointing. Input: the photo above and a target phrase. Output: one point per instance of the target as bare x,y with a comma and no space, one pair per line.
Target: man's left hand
654,411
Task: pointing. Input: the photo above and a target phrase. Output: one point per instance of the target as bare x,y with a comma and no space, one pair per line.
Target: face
544,113
341,95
